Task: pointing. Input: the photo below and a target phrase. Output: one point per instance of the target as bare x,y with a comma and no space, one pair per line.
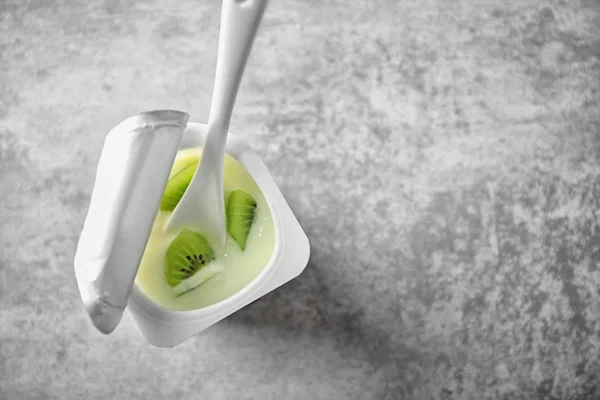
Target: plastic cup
162,327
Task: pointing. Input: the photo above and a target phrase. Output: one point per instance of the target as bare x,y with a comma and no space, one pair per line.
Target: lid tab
132,173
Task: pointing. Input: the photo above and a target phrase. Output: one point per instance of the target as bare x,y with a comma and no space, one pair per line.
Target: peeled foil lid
132,173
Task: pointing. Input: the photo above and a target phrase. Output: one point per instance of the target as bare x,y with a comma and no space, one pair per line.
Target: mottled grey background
443,157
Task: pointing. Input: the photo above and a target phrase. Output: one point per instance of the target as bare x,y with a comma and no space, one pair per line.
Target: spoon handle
239,22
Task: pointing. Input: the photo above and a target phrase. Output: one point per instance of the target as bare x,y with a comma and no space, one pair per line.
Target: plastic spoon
202,205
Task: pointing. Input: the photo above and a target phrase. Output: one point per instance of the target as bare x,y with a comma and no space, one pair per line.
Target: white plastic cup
162,327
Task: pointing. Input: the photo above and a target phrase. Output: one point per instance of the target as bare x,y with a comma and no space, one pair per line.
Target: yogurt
239,267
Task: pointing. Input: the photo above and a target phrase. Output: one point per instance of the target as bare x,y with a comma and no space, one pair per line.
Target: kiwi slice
176,187
186,255
193,282
240,211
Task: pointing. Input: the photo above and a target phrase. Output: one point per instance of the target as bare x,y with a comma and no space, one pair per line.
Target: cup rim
237,148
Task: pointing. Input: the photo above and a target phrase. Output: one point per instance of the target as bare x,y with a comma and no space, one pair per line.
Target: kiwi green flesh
186,255
240,212
176,187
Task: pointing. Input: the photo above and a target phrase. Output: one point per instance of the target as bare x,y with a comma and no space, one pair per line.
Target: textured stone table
443,157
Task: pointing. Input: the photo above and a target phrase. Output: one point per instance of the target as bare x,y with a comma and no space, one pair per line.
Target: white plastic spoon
202,205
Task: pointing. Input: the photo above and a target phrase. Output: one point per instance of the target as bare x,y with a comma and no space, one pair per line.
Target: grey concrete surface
442,156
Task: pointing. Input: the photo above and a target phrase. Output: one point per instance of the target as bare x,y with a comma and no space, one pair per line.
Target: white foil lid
132,172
